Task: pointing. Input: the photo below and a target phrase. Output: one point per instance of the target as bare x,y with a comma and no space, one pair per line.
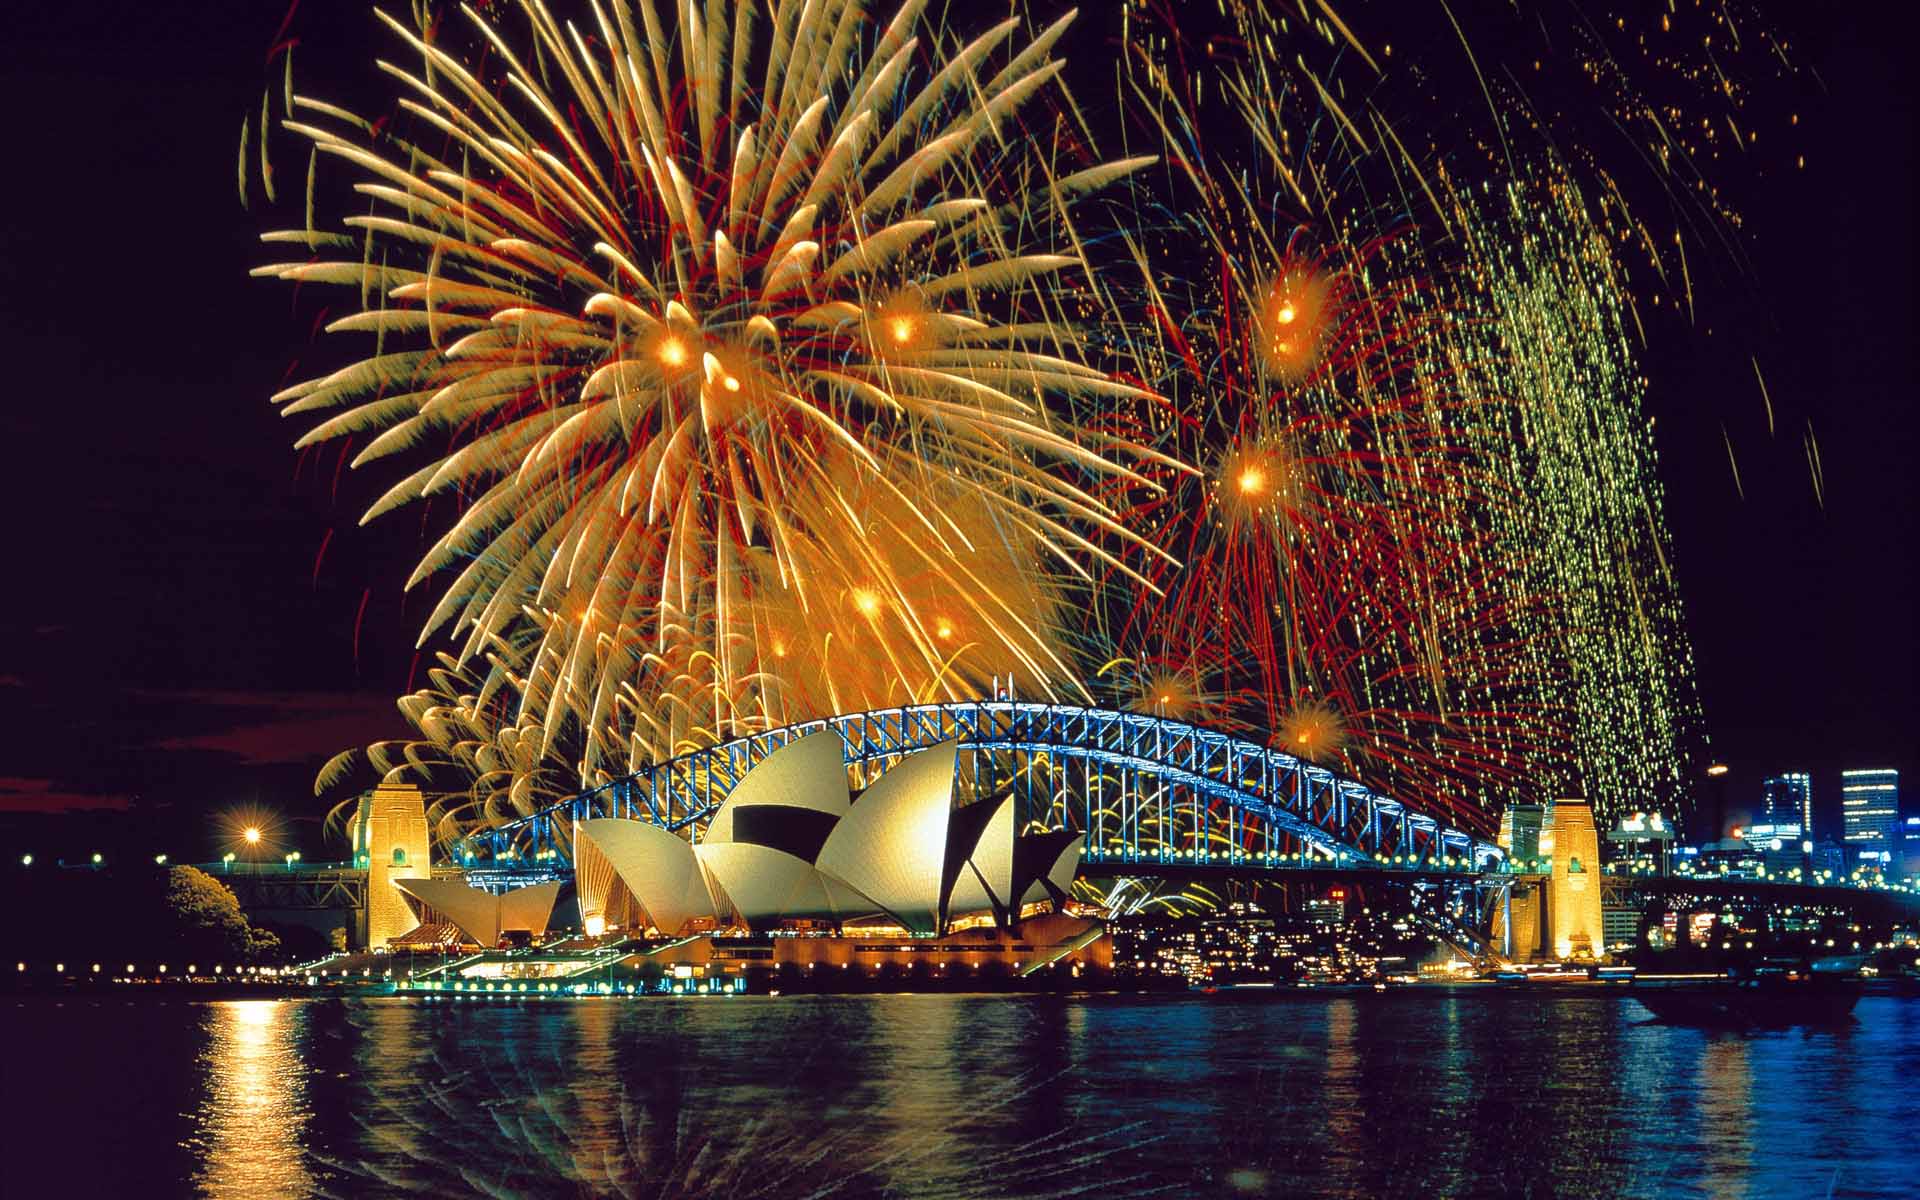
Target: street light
227,861
97,859
26,860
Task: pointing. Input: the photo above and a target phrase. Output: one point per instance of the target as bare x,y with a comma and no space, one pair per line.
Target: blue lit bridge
1147,791
1155,797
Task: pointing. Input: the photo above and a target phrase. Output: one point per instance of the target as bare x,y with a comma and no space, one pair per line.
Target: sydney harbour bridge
1158,800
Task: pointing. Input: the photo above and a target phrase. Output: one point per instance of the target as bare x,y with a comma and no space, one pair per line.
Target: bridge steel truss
1150,794
305,889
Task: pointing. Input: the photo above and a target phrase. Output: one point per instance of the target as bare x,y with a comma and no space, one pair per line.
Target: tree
203,920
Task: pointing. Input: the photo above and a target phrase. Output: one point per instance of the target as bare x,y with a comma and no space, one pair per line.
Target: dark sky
172,637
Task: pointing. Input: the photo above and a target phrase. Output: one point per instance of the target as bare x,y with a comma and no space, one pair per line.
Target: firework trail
1428,524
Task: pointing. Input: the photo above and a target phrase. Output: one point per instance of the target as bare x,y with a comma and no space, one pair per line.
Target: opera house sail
793,844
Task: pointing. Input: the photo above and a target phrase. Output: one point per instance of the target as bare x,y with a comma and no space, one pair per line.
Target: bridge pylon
391,840
1553,907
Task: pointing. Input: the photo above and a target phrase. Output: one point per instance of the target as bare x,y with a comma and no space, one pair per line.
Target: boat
1768,996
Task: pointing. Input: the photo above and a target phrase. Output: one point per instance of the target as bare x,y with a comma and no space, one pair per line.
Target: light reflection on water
954,1096
249,1130
1725,1087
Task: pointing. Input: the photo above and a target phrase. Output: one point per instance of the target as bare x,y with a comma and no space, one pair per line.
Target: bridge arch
1149,792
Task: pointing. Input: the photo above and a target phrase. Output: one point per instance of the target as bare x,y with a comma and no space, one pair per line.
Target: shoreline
211,990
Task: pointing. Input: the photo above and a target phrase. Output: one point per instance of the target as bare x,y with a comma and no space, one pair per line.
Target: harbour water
1420,1093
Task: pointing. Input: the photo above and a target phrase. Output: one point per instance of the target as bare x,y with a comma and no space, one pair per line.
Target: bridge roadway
342,885
1769,891
1456,903
293,887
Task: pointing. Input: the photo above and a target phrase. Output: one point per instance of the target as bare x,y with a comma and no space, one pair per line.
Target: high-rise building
1787,799
1870,811
1908,852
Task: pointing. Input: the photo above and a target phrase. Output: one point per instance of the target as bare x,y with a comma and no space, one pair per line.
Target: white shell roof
810,772
891,846
656,867
482,915
986,880
763,885
887,853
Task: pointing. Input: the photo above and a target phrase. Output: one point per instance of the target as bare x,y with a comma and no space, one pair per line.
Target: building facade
1870,812
1829,858
1909,853
1787,799
1520,829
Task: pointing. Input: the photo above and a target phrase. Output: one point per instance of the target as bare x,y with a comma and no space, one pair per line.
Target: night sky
192,620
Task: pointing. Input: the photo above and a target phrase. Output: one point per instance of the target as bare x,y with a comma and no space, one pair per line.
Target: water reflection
1725,1106
954,1097
251,1125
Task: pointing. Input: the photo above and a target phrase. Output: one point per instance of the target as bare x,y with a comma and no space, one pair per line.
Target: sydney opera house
791,845
797,869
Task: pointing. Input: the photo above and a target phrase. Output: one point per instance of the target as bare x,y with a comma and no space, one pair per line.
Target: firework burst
741,345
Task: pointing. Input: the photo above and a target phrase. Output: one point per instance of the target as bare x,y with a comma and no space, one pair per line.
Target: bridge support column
1519,921
1574,893
390,839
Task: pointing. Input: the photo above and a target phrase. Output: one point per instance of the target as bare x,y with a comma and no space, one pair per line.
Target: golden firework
698,320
